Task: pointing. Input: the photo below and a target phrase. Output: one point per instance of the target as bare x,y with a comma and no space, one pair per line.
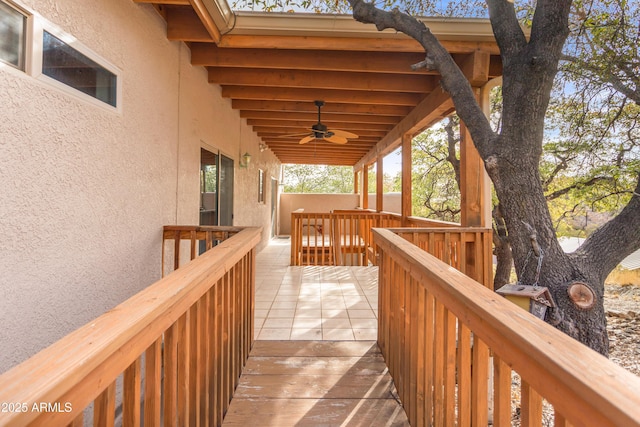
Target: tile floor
313,303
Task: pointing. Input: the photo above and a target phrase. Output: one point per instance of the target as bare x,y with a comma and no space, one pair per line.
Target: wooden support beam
208,54
206,19
475,196
431,109
184,24
407,206
326,117
321,79
279,131
476,68
328,95
330,107
365,187
330,123
363,44
379,184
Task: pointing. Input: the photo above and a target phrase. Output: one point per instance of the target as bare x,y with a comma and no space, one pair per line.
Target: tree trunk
531,233
512,157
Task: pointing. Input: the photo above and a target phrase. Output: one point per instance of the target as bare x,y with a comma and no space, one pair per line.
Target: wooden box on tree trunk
535,299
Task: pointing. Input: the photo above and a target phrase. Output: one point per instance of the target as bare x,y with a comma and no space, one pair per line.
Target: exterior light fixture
247,159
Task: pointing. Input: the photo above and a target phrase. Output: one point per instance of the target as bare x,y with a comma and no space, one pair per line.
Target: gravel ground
622,304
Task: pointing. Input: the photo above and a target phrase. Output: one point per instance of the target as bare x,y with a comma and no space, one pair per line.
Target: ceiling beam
278,132
329,117
371,44
322,79
329,107
430,110
328,95
330,124
184,24
208,54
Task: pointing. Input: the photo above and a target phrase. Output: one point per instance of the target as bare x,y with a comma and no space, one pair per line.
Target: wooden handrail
443,328
341,237
206,307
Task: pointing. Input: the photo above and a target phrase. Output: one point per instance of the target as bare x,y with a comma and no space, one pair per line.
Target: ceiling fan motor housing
319,130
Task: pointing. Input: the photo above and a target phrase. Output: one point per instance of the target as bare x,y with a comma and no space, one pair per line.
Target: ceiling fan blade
344,134
293,135
336,139
307,139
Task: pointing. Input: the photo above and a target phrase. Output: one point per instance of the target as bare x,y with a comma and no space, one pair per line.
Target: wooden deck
315,383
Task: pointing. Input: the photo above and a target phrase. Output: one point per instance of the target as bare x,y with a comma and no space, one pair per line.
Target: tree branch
453,80
579,184
616,239
506,28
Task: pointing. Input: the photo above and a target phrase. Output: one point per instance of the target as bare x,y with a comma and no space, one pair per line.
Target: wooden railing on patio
342,237
467,249
194,234
178,347
444,336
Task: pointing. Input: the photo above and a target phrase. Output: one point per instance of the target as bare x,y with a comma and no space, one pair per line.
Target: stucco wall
314,203
85,190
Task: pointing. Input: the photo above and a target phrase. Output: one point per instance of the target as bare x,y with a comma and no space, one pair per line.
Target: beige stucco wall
314,203
85,190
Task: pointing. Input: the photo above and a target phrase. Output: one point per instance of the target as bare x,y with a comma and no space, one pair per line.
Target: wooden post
407,208
475,193
379,185
365,187
356,183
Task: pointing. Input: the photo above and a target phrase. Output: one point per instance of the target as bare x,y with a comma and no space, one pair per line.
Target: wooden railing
444,336
194,234
342,237
467,249
179,347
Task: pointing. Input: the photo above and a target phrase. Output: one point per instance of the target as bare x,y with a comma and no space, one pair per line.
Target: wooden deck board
315,383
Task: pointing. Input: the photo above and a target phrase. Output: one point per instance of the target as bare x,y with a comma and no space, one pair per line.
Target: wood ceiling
274,75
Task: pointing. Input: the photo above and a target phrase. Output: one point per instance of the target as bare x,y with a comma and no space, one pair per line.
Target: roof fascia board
305,24
219,12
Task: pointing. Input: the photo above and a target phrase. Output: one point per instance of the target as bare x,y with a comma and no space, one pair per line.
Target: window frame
40,26
26,37
35,27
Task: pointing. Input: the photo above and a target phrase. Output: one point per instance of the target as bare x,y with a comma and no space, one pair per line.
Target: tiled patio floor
313,303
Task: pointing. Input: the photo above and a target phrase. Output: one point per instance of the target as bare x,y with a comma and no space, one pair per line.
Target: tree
512,157
318,179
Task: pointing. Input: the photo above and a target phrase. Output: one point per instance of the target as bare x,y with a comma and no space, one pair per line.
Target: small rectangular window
12,36
66,65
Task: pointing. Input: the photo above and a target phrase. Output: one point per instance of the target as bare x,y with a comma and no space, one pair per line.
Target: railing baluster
438,366
501,393
170,375
104,407
152,384
530,406
450,342
429,362
194,363
464,375
480,383
131,398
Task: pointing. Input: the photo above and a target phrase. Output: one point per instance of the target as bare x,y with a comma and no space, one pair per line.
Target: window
67,65
12,36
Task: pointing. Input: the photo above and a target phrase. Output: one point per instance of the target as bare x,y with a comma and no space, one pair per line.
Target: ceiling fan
320,131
